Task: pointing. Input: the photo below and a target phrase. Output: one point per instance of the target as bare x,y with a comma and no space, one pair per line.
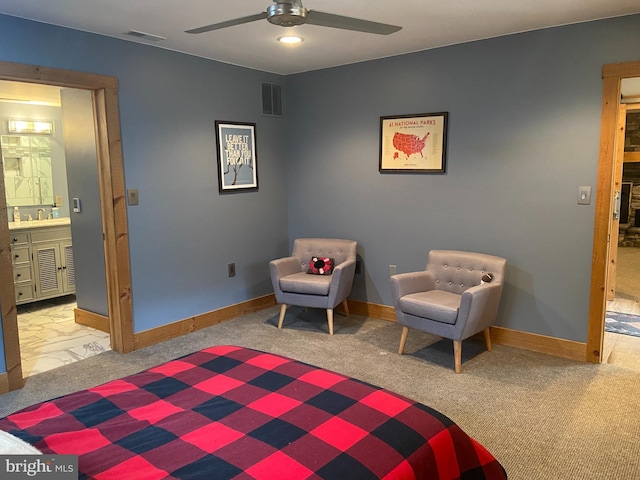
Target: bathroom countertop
25,224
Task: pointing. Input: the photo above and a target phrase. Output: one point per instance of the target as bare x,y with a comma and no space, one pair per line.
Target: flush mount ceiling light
30,126
290,40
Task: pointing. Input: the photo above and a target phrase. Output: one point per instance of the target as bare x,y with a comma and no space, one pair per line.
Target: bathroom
39,213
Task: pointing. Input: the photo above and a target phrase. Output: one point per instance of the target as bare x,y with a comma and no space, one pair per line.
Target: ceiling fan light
290,40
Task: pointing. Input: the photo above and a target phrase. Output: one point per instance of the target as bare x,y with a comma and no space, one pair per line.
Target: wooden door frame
112,208
612,75
614,225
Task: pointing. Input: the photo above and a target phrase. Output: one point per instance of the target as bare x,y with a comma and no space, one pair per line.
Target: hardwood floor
624,350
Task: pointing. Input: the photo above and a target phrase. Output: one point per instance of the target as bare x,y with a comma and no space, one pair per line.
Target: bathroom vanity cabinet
42,261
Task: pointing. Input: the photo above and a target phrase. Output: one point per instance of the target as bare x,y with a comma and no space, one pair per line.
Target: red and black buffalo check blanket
229,412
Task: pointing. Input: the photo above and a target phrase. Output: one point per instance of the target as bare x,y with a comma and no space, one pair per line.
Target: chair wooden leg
457,354
403,340
330,320
283,309
487,338
346,307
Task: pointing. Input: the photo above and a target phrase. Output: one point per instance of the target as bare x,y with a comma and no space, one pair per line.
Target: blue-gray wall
524,123
183,233
524,118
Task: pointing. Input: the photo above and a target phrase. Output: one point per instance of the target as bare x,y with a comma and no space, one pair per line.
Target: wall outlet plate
132,196
584,195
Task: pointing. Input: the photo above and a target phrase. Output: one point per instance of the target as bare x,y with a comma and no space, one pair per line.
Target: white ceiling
426,24
32,93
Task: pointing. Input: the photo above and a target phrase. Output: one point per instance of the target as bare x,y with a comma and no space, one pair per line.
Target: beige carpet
544,418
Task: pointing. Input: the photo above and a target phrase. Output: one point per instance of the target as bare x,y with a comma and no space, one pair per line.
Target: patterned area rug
623,323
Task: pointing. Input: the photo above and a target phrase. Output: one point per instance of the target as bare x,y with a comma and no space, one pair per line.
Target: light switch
584,195
132,196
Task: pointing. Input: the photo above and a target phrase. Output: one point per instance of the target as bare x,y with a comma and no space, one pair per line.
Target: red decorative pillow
321,266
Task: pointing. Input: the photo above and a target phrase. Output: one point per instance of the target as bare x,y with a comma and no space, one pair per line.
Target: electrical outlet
59,200
231,269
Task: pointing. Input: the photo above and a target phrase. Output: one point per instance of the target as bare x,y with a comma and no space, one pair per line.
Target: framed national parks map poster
413,143
237,157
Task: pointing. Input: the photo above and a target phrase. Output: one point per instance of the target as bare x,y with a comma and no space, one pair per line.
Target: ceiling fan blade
229,23
349,23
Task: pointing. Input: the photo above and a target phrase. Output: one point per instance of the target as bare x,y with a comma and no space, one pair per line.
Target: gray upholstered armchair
294,286
455,297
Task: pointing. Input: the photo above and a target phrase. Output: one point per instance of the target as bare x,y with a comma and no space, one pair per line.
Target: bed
232,412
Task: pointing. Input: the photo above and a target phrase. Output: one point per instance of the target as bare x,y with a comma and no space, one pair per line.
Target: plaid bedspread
229,412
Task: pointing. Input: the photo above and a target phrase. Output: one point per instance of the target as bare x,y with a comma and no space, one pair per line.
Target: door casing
112,208
612,75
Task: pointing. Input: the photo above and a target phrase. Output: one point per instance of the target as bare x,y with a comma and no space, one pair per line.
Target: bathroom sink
54,222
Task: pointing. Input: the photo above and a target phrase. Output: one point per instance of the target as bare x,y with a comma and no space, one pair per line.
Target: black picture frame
413,143
237,156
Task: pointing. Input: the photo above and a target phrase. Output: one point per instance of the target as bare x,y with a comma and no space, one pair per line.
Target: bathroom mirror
28,176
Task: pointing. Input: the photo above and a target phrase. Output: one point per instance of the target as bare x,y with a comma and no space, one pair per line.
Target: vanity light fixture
30,126
290,39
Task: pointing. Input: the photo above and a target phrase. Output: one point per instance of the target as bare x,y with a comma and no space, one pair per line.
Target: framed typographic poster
237,157
413,143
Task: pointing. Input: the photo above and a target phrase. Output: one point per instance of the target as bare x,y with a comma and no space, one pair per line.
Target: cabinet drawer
24,293
18,238
20,254
49,234
22,273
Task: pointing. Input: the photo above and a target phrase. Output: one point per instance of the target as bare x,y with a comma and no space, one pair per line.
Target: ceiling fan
289,13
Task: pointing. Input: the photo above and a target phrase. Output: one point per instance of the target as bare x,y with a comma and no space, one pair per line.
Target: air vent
272,99
145,36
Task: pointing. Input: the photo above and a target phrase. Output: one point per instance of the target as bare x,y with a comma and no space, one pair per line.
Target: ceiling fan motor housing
287,14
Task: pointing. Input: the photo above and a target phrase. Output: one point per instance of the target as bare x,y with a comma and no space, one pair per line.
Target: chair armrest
341,281
479,305
283,266
405,283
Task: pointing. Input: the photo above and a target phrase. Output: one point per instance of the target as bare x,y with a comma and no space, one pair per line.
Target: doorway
622,320
112,209
606,226
49,335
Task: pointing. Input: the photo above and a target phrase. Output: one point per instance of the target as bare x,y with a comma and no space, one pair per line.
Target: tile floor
622,350
50,338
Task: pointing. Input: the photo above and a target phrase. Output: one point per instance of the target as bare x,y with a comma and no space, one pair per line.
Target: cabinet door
68,272
48,269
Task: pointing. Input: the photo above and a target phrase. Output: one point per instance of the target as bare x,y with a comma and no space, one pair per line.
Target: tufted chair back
338,249
455,271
